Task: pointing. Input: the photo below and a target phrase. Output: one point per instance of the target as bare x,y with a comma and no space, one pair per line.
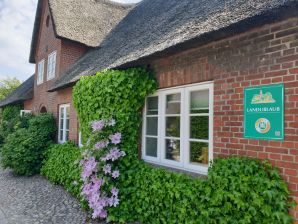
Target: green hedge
61,167
238,190
24,149
114,94
11,121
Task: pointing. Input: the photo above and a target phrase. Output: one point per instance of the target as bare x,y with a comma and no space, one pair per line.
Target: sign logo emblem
262,98
262,125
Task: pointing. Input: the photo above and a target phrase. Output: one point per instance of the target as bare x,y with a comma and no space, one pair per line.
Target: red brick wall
28,105
68,52
266,55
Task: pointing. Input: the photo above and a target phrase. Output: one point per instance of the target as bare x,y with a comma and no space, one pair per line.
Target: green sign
264,112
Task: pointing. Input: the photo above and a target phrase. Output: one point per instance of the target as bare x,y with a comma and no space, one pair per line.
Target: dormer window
51,65
40,72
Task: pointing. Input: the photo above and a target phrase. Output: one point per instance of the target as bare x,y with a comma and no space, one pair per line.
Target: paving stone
35,200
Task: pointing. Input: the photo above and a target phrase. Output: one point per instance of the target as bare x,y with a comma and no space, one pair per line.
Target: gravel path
34,200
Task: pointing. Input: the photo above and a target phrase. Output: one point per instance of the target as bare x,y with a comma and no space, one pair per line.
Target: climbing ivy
237,190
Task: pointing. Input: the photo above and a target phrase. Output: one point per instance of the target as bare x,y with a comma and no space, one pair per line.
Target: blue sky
16,25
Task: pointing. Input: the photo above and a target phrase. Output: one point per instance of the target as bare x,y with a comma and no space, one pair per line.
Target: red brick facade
68,53
267,55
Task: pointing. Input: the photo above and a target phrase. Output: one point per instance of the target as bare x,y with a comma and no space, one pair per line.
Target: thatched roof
84,21
22,93
156,27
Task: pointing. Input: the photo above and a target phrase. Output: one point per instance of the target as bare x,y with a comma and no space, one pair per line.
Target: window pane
61,135
67,112
61,112
173,103
152,124
66,135
199,101
152,105
173,149
67,124
151,147
61,124
199,152
199,127
173,126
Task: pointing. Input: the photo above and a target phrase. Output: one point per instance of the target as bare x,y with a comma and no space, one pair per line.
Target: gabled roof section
23,92
157,27
83,21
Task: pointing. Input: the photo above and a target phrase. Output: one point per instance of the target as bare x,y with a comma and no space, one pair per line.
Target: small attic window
48,21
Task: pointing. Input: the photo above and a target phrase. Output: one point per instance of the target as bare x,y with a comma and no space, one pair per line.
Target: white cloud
16,25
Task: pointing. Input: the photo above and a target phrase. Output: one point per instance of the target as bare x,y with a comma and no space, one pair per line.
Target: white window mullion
211,93
64,124
186,128
63,121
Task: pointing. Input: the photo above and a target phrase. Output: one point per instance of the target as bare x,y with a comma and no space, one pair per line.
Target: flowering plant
99,167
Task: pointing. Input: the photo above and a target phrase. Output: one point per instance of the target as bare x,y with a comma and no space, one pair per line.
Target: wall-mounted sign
264,112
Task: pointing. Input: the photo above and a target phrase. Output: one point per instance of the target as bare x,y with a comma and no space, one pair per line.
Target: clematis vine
99,167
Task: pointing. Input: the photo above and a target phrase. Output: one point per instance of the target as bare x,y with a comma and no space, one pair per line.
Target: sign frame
247,134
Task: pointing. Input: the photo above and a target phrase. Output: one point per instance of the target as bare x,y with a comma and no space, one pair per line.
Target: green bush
238,190
11,121
24,149
61,167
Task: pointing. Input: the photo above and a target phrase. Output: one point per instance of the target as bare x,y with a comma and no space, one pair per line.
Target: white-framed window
80,140
51,65
63,134
23,112
40,72
178,127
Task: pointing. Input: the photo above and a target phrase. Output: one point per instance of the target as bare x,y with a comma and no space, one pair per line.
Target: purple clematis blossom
115,174
101,144
115,191
115,138
97,125
107,169
112,122
89,166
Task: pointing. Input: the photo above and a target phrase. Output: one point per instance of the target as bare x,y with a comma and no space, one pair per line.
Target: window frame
51,66
23,112
184,163
80,141
39,79
64,130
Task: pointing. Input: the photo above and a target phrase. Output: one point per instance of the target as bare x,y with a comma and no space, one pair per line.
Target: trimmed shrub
24,149
11,121
238,190
61,167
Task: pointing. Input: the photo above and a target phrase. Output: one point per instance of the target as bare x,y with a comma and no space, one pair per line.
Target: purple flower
115,174
86,190
112,122
101,145
114,191
115,138
99,213
90,166
107,169
97,183
97,125
115,201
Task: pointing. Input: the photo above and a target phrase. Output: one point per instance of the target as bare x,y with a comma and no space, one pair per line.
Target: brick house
201,51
